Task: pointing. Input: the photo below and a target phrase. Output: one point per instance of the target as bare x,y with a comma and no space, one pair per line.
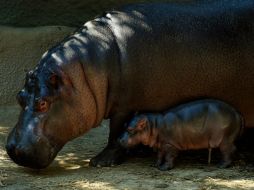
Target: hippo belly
184,58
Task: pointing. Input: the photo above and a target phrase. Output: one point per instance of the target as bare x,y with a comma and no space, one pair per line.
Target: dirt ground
70,169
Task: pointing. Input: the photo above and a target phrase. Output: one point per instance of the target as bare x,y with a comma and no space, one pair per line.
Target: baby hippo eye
131,131
42,106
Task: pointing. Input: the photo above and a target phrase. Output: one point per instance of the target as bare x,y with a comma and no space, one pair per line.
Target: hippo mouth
34,155
34,161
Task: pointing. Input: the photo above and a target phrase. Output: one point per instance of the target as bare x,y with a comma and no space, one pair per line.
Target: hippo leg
169,157
113,154
227,150
160,157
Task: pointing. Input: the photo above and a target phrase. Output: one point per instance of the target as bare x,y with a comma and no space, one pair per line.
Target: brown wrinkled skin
195,125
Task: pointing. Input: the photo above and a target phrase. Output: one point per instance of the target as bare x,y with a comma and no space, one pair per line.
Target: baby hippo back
201,124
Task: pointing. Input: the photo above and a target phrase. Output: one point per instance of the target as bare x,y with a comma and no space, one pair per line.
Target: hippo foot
165,167
108,157
224,164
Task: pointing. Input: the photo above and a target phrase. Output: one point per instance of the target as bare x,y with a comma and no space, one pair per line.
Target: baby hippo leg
227,150
169,157
160,157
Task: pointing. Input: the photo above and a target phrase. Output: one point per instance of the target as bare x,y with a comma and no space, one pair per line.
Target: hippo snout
123,140
27,156
30,151
23,157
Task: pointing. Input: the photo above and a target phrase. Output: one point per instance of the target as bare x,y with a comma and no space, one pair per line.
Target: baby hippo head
137,132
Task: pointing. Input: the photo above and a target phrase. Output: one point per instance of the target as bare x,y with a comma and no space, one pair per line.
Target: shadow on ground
70,170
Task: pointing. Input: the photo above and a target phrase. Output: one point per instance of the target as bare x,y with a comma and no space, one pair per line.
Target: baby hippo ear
142,123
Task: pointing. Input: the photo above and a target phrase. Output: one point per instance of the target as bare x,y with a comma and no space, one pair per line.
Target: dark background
28,13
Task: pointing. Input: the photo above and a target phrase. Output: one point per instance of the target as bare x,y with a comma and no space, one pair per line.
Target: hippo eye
54,80
42,106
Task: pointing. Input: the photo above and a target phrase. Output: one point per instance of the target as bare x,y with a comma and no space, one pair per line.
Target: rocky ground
70,169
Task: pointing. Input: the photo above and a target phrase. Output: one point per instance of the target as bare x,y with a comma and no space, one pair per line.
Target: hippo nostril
121,142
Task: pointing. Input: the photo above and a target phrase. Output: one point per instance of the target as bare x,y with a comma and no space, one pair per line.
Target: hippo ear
142,123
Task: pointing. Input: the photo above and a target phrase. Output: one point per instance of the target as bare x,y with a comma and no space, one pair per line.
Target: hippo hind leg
227,147
227,150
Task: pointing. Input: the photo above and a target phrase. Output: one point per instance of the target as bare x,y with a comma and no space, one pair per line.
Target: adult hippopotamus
143,57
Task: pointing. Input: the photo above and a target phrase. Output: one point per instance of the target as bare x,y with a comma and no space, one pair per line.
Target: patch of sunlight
3,130
2,157
94,185
67,157
69,161
5,162
233,183
68,166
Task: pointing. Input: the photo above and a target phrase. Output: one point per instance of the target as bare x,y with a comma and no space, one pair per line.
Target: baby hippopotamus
196,125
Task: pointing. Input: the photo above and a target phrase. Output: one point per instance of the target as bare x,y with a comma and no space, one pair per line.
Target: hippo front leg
169,157
160,157
113,153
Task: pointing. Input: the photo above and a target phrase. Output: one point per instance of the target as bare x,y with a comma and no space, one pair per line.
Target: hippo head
137,132
51,115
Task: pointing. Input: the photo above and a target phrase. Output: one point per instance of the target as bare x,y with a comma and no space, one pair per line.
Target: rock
20,50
